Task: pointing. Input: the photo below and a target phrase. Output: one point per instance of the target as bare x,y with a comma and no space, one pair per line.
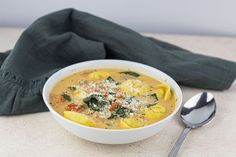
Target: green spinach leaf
131,73
154,97
95,102
121,112
110,79
72,88
149,105
66,97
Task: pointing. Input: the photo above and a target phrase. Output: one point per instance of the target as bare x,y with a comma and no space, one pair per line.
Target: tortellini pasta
164,91
79,118
131,122
124,125
134,87
79,93
96,75
155,112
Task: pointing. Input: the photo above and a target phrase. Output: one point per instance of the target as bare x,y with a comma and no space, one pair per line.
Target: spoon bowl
198,110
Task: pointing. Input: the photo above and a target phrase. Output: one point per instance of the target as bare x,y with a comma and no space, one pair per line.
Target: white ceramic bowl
107,136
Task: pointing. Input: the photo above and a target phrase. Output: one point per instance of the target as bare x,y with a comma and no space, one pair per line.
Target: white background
202,17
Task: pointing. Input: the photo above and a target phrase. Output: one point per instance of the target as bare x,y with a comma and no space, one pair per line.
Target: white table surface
39,135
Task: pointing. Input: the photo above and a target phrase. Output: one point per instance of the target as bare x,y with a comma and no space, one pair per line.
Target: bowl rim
51,78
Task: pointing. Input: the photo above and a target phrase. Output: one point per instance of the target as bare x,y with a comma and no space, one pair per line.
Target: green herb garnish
149,105
131,73
110,79
72,88
66,97
111,92
154,96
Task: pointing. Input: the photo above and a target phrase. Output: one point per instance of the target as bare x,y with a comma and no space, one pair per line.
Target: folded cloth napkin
69,36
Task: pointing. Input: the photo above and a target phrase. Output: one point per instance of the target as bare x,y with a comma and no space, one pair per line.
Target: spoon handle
179,142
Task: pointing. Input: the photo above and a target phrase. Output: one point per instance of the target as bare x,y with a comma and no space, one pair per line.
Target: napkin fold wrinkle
69,36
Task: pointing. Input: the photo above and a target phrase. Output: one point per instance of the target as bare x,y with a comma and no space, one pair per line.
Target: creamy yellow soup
112,99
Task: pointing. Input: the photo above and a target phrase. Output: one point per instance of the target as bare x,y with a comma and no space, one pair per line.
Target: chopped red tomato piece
72,106
75,107
114,105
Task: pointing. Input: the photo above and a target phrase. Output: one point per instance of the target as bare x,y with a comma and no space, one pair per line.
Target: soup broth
112,99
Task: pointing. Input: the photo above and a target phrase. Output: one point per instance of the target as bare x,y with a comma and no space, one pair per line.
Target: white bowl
107,136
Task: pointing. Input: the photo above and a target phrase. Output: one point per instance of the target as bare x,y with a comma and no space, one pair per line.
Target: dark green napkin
69,36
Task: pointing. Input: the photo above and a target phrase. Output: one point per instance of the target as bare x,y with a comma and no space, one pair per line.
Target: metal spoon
196,112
